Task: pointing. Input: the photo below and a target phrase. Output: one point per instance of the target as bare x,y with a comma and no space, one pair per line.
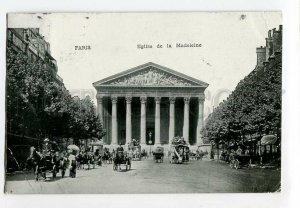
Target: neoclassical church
152,104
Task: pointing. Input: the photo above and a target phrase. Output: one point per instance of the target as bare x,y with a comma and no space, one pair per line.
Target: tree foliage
37,106
254,107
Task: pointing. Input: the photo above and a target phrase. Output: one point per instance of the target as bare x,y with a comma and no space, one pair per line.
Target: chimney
261,55
280,27
269,33
273,31
277,42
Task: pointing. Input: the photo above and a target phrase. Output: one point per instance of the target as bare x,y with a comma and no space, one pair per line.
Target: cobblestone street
146,176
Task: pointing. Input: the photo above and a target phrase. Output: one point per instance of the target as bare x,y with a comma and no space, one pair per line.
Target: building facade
152,104
272,48
32,43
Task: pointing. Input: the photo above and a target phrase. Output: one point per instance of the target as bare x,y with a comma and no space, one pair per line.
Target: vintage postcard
122,103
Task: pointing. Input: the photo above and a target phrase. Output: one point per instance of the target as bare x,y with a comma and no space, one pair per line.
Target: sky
227,55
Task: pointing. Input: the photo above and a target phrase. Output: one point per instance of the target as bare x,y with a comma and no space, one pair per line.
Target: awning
268,140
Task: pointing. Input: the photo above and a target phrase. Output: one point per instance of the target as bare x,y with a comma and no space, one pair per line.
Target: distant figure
33,158
63,163
201,154
239,151
212,154
134,142
120,148
231,155
72,167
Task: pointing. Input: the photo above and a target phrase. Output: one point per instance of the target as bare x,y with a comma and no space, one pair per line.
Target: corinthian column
172,119
200,119
157,120
143,120
186,119
114,122
100,107
128,120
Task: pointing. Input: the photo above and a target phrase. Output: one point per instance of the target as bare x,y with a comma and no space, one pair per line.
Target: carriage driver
120,153
120,148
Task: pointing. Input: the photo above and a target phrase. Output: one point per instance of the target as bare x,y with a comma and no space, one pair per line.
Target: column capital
201,97
114,99
157,100
143,99
99,97
128,99
186,100
172,100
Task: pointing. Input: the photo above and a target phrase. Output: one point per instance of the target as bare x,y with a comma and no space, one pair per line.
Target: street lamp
150,141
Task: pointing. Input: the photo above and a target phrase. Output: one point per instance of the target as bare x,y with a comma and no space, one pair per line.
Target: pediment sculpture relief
151,77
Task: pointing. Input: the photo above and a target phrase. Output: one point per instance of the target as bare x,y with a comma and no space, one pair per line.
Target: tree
254,107
39,107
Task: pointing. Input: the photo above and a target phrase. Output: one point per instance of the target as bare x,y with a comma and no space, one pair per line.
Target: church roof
150,74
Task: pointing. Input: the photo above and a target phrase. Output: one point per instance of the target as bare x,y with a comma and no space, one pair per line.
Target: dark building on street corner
273,47
29,42
33,44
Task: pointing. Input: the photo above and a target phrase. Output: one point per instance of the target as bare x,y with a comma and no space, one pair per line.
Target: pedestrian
63,163
239,151
201,154
212,154
72,167
33,159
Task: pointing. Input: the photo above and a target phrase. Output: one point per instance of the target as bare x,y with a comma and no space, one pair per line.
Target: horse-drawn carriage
97,152
135,151
107,157
196,155
158,155
46,164
238,161
180,151
237,156
121,159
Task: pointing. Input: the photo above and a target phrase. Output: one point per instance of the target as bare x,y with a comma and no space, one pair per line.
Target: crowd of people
47,160
228,155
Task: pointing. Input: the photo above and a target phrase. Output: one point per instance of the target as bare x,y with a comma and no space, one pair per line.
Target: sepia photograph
143,103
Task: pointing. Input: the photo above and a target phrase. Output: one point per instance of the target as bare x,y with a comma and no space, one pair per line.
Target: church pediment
150,75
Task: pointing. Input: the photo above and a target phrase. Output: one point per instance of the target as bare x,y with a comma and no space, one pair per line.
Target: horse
144,154
107,157
33,159
87,160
